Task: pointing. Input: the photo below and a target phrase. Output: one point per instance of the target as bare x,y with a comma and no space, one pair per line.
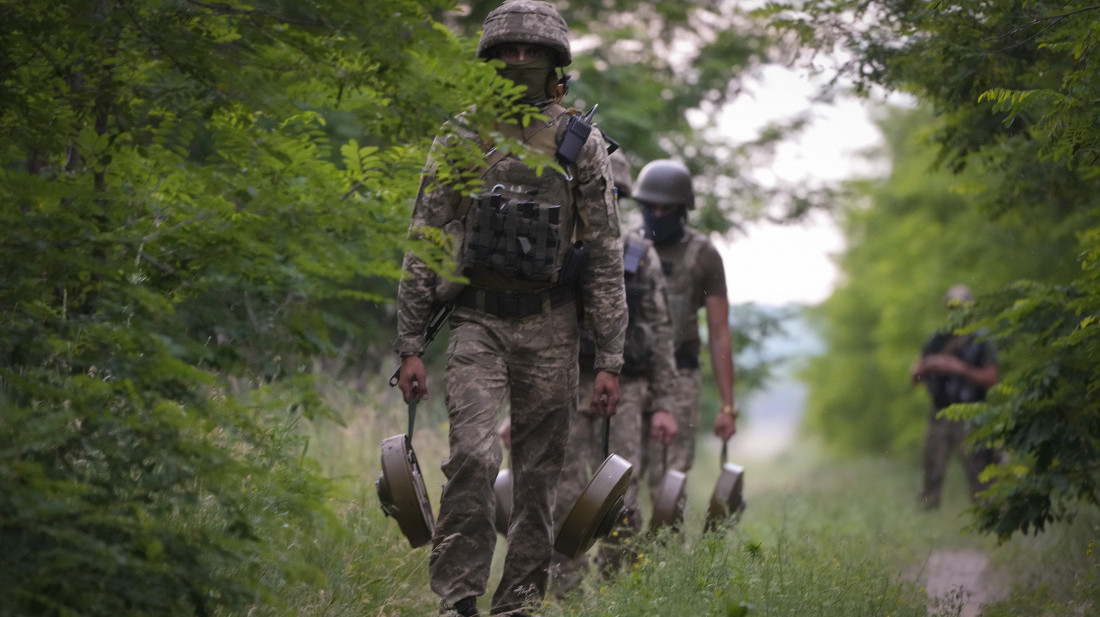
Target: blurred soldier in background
955,368
696,279
531,242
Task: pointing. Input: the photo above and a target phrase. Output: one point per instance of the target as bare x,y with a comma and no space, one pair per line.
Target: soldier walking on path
955,368
696,280
531,244
647,365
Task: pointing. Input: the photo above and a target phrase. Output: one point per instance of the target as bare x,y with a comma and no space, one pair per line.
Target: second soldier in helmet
643,384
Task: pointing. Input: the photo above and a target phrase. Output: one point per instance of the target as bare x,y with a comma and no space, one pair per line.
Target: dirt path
959,582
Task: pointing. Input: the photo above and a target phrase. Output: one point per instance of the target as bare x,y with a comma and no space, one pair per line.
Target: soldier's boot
466,607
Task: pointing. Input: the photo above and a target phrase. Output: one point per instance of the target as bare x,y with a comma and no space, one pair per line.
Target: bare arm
721,357
984,377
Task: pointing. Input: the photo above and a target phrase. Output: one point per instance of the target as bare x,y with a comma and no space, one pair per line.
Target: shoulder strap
534,133
633,252
695,245
635,246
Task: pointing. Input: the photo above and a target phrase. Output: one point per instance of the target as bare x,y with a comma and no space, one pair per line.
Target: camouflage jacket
653,310
596,222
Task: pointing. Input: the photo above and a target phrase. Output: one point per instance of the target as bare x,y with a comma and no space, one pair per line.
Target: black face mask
664,229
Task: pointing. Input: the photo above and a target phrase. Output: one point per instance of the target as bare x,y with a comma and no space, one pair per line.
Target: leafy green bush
198,199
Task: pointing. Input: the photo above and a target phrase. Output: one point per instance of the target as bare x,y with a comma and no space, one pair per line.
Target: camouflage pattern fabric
942,438
693,270
532,361
657,313
584,454
597,223
685,387
528,362
533,22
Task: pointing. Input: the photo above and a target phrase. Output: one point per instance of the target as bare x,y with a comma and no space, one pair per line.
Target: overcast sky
775,264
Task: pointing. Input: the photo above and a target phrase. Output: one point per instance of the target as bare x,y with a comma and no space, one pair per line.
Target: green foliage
910,238
1012,87
843,535
798,548
198,200
1048,417
1060,576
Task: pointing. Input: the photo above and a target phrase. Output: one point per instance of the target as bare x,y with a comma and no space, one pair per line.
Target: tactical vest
946,389
681,287
519,230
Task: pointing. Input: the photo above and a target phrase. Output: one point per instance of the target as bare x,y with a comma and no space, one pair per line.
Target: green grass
819,537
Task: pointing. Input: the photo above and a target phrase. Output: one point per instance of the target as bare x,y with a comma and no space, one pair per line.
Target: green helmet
532,22
665,182
620,171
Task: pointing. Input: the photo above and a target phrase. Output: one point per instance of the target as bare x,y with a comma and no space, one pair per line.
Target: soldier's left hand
941,363
725,426
662,427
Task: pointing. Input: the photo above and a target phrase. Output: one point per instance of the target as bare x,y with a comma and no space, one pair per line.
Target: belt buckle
508,304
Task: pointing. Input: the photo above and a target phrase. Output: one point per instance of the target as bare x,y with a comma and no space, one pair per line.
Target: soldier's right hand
413,379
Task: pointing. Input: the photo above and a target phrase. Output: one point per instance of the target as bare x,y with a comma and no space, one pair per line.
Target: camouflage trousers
680,454
584,454
943,438
530,363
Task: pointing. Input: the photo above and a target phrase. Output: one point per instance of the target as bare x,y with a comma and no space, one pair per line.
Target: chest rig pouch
681,282
522,227
638,346
515,236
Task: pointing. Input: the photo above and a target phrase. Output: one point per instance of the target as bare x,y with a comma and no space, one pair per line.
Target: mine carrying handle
436,322
412,420
606,436
723,461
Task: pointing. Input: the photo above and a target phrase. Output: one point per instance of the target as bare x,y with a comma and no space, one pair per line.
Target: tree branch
1053,19
160,232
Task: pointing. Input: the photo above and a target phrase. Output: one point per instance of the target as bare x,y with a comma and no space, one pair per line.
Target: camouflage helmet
665,182
620,171
958,295
531,22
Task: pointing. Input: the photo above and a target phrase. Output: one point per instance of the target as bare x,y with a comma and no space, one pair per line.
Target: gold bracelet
730,410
